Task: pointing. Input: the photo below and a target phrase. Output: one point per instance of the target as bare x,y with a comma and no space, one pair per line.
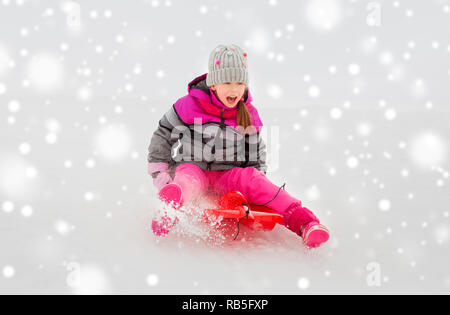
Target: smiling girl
214,119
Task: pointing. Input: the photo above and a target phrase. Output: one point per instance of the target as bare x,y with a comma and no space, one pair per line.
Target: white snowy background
359,91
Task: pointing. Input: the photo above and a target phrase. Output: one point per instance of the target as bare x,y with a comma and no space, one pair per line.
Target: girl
214,132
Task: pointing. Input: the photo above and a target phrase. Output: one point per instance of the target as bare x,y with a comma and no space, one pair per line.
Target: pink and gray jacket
199,129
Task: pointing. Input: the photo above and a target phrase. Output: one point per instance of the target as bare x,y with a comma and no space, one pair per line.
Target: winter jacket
199,129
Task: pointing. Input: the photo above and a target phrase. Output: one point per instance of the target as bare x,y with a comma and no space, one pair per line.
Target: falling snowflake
352,162
324,15
275,91
303,283
45,72
354,69
8,206
314,91
152,280
9,272
384,205
93,281
113,142
428,150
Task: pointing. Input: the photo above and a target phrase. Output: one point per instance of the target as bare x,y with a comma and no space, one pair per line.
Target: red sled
235,206
232,211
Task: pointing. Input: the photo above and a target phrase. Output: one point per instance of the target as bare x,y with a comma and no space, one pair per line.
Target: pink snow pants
252,183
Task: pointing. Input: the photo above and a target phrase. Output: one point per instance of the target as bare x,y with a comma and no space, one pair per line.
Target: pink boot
314,234
170,194
303,222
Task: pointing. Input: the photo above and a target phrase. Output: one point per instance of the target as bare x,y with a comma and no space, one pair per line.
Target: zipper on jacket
246,151
222,123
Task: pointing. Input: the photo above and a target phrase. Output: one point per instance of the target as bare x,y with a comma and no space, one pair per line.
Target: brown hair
244,118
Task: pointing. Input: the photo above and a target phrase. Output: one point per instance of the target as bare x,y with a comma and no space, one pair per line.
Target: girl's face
229,93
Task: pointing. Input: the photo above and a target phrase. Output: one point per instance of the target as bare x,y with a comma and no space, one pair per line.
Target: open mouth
231,99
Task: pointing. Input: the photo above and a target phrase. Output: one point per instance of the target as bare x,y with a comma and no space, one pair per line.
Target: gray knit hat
227,64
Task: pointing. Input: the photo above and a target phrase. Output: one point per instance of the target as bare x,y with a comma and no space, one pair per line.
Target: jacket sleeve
262,156
256,153
164,139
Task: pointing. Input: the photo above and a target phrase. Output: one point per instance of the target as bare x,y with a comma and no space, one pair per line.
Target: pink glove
163,178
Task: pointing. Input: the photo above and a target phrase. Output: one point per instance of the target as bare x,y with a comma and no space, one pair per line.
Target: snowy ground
354,98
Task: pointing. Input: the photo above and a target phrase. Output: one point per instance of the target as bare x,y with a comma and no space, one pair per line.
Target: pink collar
216,111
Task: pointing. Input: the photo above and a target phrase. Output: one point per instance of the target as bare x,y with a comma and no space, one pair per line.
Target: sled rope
239,222
248,209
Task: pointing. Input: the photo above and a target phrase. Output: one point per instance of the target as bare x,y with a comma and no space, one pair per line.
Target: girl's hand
161,180
159,173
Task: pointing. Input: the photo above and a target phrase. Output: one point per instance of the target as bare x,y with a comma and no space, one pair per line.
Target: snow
152,280
92,281
113,142
27,211
5,60
8,272
259,40
15,180
352,162
384,205
428,150
390,114
274,91
354,69
314,91
3,88
62,227
14,106
45,72
323,15
51,138
303,283
8,206
84,94
336,113
356,121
